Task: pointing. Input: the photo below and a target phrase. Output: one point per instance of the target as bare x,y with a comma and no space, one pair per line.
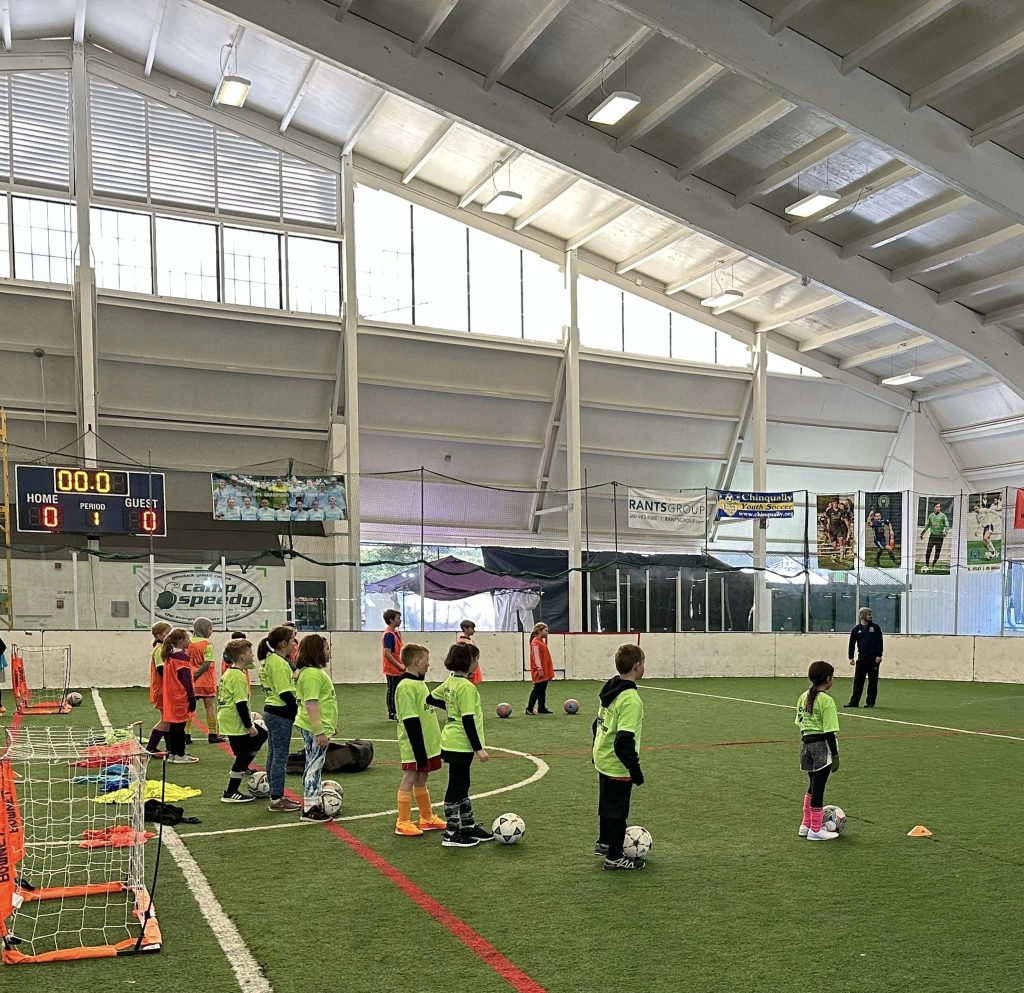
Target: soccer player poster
837,531
934,522
883,530
984,531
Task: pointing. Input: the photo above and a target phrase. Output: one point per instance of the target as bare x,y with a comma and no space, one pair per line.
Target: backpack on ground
350,756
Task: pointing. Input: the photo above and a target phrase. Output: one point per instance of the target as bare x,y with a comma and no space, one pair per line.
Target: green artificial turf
731,899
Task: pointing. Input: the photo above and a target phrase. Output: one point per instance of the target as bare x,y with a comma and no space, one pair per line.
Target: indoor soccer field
731,898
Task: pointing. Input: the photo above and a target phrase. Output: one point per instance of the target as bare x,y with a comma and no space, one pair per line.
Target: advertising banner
683,512
244,497
737,505
883,529
984,531
837,531
253,601
935,516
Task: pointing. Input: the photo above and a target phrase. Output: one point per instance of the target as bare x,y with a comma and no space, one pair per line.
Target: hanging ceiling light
813,203
902,380
232,91
502,202
613,107
723,296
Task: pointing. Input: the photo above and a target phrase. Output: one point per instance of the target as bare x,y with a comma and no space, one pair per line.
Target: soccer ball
258,720
334,785
259,784
508,828
74,699
331,801
571,706
503,710
638,842
833,819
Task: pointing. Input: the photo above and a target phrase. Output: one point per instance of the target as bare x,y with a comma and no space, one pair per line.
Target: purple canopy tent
451,579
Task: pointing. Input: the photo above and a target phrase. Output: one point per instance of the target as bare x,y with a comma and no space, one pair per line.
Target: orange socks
404,806
423,802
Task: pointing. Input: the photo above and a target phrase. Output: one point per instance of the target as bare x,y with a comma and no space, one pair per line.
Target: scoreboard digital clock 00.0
91,501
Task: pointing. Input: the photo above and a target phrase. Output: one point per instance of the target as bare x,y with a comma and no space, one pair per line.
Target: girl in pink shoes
818,720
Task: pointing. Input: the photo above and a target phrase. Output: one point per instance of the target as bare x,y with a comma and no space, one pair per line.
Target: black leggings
245,747
458,775
539,696
176,738
392,686
816,786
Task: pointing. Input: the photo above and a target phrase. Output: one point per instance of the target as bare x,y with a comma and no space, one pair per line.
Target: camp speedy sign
181,597
735,505
683,512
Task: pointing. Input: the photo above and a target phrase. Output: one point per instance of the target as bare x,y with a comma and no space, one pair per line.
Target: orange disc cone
919,831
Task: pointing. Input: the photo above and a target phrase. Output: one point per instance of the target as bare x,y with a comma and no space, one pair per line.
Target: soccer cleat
804,831
529,713
316,815
283,806
182,759
407,829
545,711
623,864
848,706
822,835
600,849
236,797
433,823
479,832
458,839
216,739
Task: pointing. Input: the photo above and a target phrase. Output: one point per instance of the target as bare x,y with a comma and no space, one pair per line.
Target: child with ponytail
818,720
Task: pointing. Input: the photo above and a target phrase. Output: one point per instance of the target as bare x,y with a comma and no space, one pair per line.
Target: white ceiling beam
941,365
227,58
693,87
5,25
590,231
1007,425
541,206
1005,124
923,14
506,161
787,13
1005,470
653,248
975,286
154,36
430,148
733,137
857,193
343,8
300,92
798,313
838,334
526,38
756,292
968,74
956,389
364,122
78,32
1004,314
604,71
694,276
437,18
904,223
884,351
791,166
929,263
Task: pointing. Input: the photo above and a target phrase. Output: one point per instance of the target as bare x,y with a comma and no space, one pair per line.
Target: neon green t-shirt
626,713
234,688
411,701
938,524
311,684
276,678
822,719
460,697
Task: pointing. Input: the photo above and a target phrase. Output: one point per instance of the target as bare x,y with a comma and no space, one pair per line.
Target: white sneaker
822,835
182,759
925,568
804,831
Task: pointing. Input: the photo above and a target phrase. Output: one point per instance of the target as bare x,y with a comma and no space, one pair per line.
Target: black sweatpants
613,812
816,786
392,686
176,738
539,696
868,668
245,748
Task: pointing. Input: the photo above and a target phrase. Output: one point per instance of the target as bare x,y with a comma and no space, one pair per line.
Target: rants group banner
740,505
984,531
837,531
244,497
683,512
883,529
934,523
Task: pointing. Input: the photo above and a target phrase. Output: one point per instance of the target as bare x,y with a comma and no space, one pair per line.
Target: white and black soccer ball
638,842
74,699
259,784
333,784
508,828
331,801
833,818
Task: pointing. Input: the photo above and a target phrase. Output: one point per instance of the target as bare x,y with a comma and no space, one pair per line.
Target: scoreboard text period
97,501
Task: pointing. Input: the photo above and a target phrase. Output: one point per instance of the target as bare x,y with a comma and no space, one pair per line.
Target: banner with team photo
883,529
739,505
683,512
244,497
984,531
1018,511
934,546
837,531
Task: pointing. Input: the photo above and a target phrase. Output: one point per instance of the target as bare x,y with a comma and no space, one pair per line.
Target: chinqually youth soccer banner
683,512
741,505
985,531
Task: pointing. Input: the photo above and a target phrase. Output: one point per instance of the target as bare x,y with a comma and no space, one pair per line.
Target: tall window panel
440,271
599,314
779,363
5,239
647,328
692,341
495,286
314,274
44,238
252,268
186,259
123,250
383,256
729,351
544,306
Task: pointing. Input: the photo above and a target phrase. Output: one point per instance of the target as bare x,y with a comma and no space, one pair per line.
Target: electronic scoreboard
95,501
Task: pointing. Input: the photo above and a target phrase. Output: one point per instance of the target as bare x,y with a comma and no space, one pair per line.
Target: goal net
72,868
40,677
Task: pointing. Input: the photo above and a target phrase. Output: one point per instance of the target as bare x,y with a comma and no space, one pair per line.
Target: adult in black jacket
867,637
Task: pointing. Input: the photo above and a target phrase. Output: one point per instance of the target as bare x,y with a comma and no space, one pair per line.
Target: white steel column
574,458
74,588
759,423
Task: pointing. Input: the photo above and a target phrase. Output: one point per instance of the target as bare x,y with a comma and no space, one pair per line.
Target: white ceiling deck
920,271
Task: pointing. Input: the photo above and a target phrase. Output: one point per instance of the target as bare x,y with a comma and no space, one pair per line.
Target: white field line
540,771
846,713
247,970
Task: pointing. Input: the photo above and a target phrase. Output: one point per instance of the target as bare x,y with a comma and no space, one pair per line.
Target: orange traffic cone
919,831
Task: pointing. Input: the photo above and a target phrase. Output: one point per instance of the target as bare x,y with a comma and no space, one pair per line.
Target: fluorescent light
907,377
813,203
720,299
502,202
613,107
232,91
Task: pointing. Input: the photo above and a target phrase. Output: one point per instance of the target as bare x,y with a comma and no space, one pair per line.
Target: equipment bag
352,756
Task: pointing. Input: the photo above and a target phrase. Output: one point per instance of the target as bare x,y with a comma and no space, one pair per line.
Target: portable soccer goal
72,867
40,677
